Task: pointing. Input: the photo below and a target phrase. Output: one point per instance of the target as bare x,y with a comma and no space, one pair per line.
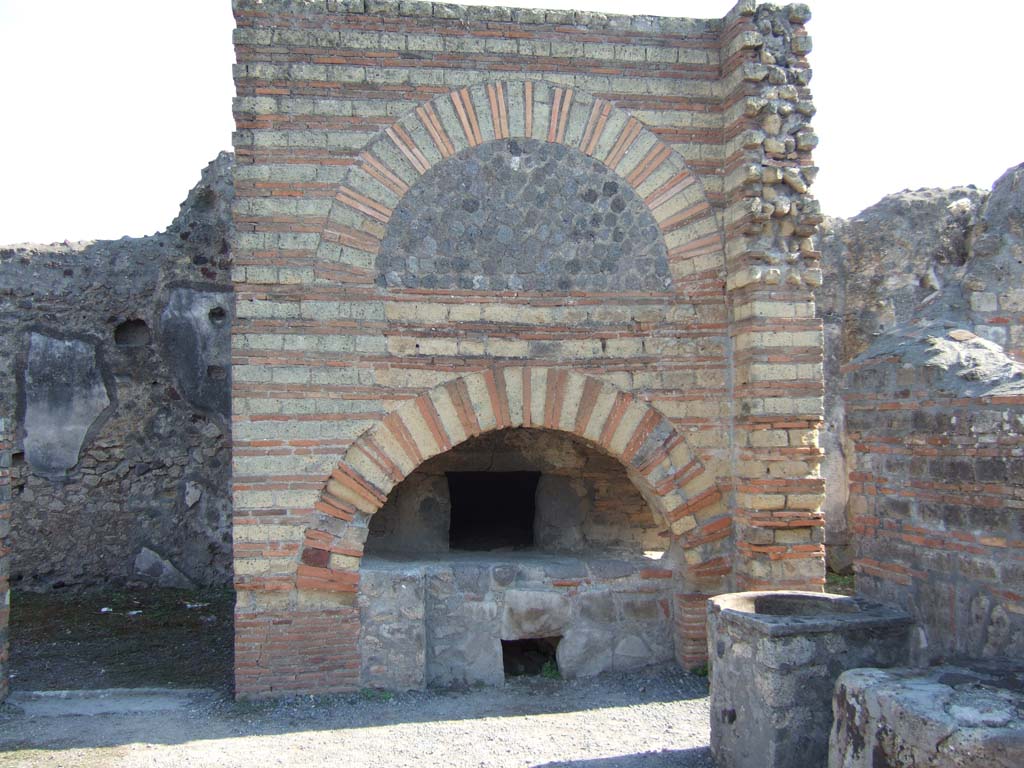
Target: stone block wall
937,488
115,372
402,286
441,622
5,551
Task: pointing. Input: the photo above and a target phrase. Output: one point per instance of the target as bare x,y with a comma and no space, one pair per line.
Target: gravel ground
647,719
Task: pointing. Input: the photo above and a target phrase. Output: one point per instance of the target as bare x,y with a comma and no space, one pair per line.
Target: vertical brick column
5,527
691,615
772,270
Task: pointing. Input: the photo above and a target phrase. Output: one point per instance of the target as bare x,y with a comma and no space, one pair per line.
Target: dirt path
649,719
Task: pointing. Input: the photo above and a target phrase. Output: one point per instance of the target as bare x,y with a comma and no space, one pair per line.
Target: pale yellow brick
683,525
439,347
358,460
500,313
538,394
415,312
792,535
266,533
571,401
403,346
252,566
693,409
630,421
769,438
419,430
386,440
449,416
804,500
761,500
514,393
699,484
480,396
464,313
602,407
471,348
341,562
507,348
356,500
623,348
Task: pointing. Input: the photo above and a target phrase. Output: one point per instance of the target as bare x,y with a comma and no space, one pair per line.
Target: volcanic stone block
160,571
523,215
966,716
775,657
530,614
393,644
65,396
585,651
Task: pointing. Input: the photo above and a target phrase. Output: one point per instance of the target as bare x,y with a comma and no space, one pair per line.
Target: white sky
112,107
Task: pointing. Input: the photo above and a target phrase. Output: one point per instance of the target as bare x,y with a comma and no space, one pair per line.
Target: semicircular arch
449,124
675,483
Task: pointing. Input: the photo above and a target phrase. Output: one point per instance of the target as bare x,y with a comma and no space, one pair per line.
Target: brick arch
675,483
450,123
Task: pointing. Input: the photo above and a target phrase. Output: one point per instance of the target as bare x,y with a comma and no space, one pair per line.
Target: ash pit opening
534,656
492,510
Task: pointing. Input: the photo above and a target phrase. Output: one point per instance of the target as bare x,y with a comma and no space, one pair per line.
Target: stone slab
940,717
106,701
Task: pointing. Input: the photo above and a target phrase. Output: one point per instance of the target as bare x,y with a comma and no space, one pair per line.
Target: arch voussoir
655,454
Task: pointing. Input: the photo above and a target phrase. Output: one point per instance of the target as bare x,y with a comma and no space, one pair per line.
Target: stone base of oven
440,620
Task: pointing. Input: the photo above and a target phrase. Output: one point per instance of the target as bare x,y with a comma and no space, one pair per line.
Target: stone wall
663,313
440,621
5,552
937,488
117,363
922,258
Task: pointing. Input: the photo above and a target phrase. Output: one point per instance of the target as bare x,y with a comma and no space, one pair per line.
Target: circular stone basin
793,604
790,612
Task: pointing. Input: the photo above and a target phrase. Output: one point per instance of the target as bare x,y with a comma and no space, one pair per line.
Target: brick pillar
691,629
773,268
5,564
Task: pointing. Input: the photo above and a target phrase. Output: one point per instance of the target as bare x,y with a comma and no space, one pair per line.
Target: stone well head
774,659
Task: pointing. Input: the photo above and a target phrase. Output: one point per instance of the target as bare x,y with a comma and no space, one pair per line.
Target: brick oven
525,361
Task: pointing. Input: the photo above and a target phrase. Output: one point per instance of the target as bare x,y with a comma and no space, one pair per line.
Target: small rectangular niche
532,656
492,510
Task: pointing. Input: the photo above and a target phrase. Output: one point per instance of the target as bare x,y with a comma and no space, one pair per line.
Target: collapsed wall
924,323
117,376
916,259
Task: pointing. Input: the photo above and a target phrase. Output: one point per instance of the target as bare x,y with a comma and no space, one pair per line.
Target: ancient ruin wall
925,258
5,552
936,421
360,338
117,376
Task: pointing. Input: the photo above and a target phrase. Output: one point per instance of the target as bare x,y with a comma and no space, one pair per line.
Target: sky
113,107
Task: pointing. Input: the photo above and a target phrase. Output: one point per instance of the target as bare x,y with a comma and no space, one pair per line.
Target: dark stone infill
523,215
